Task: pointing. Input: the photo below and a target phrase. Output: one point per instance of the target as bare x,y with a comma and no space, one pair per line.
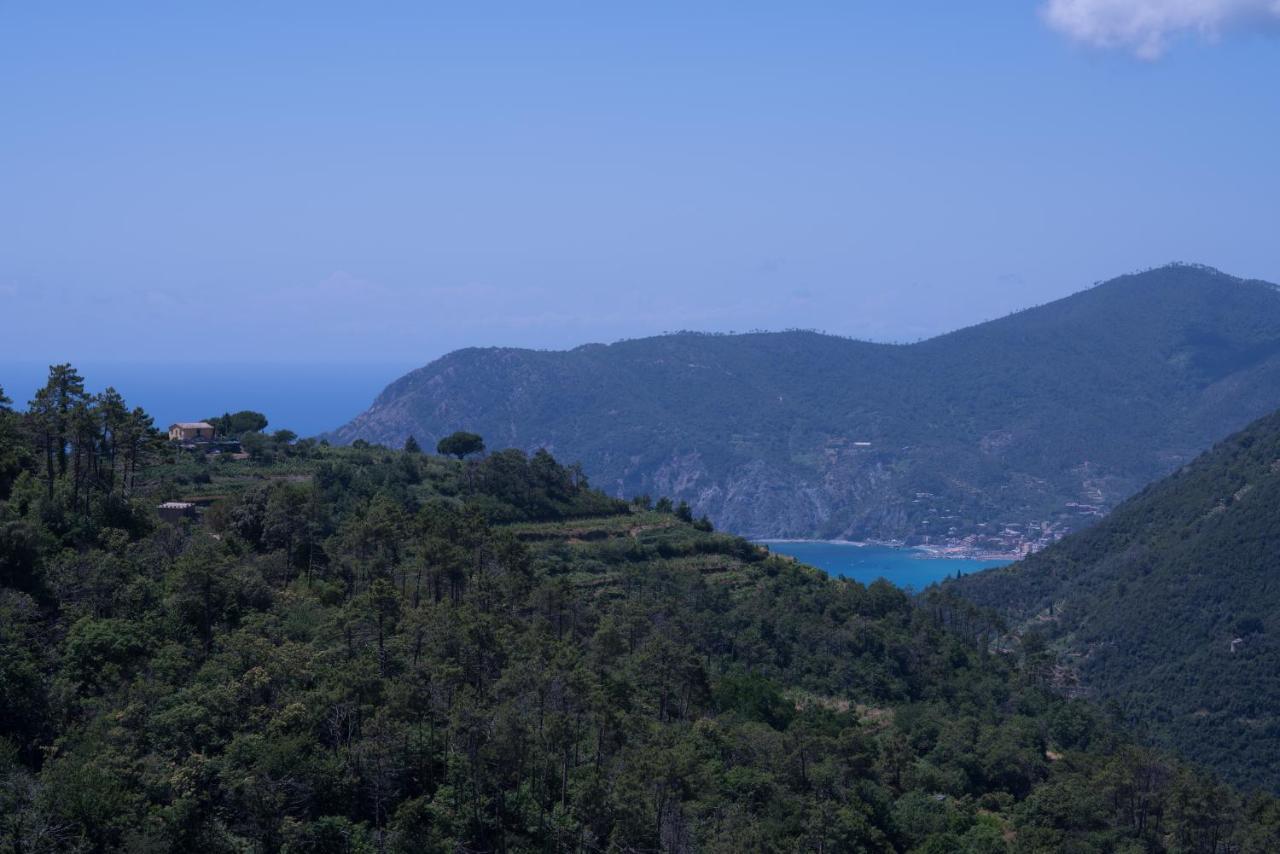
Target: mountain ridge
1044,418
1167,607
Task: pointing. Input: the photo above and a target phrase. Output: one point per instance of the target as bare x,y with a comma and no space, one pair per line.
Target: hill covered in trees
358,650
1037,422
1170,607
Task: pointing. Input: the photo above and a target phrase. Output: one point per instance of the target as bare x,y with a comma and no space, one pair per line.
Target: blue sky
382,183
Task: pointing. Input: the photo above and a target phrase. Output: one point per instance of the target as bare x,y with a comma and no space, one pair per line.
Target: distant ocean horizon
909,568
307,399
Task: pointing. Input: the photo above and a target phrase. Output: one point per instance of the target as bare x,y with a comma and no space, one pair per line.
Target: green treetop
460,444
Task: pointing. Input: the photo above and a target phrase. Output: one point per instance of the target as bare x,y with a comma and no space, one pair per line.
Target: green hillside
1169,608
359,650
1035,423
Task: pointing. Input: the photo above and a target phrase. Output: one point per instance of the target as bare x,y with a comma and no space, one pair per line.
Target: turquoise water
907,568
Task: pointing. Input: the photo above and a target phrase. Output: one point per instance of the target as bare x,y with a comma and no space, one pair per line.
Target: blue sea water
907,568
307,399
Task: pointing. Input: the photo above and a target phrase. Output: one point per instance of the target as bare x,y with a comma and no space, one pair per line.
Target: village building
175,511
191,431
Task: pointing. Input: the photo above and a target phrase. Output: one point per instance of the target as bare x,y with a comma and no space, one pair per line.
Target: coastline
964,553
923,552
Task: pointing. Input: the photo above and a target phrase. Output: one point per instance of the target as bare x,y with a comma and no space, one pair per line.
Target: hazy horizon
308,184
309,397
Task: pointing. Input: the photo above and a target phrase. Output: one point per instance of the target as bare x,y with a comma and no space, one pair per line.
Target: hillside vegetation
1170,607
1015,423
360,650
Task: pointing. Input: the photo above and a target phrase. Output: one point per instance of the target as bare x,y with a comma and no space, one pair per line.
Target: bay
913,569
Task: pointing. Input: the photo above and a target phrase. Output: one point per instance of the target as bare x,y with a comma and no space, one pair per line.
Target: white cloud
1147,26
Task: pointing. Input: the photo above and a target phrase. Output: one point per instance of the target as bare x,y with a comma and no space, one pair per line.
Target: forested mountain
1033,423
1170,607
359,650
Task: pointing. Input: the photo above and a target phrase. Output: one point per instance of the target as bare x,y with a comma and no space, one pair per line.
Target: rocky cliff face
1033,424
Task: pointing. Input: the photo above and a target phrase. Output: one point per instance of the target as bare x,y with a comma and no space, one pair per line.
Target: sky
378,184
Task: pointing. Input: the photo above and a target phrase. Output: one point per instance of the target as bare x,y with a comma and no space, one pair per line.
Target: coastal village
1004,540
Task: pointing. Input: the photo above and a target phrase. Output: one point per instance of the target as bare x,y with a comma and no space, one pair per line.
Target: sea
912,569
307,399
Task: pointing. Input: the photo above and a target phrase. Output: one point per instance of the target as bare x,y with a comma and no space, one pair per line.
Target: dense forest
362,649
1170,607
1037,422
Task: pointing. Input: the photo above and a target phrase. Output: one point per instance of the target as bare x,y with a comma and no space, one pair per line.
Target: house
175,511
191,431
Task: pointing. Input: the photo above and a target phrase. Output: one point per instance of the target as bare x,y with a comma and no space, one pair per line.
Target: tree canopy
238,423
1147,606
460,444
366,650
